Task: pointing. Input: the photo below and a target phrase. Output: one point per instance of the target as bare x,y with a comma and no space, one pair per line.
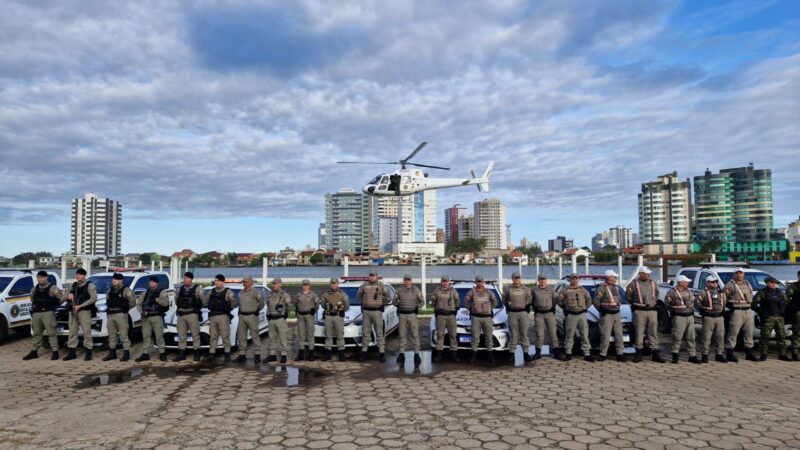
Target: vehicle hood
464,319
350,315
625,314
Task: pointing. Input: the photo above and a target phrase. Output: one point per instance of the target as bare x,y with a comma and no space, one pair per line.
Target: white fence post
574,263
264,265
423,275
560,268
63,269
537,267
346,262
500,273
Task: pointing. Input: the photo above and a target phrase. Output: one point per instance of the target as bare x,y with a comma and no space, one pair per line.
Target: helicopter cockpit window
375,180
384,183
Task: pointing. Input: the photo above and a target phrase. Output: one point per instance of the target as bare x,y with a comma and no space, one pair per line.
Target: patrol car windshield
593,288
462,293
103,282
4,282
351,292
756,279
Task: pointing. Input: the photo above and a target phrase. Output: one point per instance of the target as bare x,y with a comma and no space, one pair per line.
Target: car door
19,298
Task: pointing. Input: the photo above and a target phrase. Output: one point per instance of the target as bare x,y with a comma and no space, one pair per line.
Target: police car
236,286
464,323
590,283
138,280
15,298
353,336
723,272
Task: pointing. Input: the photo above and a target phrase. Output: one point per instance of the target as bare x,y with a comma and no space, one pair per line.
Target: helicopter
403,182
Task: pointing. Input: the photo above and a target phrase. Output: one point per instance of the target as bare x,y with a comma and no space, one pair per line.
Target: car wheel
3,329
664,321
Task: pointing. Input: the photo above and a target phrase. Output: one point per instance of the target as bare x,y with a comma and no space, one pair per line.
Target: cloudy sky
217,124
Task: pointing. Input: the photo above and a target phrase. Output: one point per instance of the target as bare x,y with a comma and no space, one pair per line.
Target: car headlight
499,326
357,320
102,308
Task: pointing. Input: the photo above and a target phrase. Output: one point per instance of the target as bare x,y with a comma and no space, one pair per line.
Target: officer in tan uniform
374,296
278,305
251,302
711,304
45,298
220,304
445,306
544,319
575,301
153,304
517,299
481,304
680,302
306,304
739,294
334,304
408,300
607,300
119,300
82,297
643,298
189,302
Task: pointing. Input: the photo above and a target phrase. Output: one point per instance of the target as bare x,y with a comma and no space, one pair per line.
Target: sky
217,124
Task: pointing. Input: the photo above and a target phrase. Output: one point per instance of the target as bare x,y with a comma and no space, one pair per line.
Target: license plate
189,338
176,338
59,329
465,339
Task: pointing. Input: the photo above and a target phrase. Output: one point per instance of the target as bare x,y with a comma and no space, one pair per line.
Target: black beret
117,276
189,275
770,280
220,277
41,273
154,278
80,271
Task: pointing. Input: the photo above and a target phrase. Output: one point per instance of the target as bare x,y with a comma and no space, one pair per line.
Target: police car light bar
357,278
129,269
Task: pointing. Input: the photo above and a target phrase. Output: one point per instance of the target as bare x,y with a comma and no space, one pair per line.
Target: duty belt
372,308
275,316
711,314
638,307
480,315
186,313
517,309
740,308
151,313
683,314
242,313
542,311
443,312
609,311
336,314
218,313
305,313
410,311
42,310
115,310
574,313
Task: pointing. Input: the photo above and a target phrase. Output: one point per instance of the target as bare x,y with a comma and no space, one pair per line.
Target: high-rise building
344,221
452,216
322,233
466,227
620,237
559,244
384,219
734,205
665,210
440,235
417,217
490,224
96,226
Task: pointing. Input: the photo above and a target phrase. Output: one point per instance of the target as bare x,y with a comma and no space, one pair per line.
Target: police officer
306,303
445,306
374,296
45,298
481,303
251,302
739,294
711,304
153,304
408,300
544,319
517,299
793,310
643,297
119,300
575,301
220,304
770,304
680,302
607,301
278,304
82,297
189,302
334,304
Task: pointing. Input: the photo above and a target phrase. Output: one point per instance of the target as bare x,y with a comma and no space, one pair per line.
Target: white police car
236,286
590,283
353,336
138,280
464,323
15,298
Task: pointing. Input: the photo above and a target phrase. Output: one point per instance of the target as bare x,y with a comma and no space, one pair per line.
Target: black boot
731,355
126,355
326,355
588,358
538,354
228,357
621,357
526,356
784,357
720,358
763,357
474,358
197,355
271,358
112,354
310,355
257,358
601,358
143,357
704,359
454,356
795,356
283,359
382,357
181,356
70,355
637,358
209,358
558,354
241,358
341,355
162,357
512,358
491,358
695,360
750,356
657,357
401,358
437,356
87,356
301,355
33,354
674,358
54,356
417,360
568,356
362,356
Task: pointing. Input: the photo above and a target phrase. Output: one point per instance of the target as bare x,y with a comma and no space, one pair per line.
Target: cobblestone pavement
53,404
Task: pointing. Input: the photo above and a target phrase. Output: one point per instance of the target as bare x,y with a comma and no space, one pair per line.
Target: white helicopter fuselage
409,181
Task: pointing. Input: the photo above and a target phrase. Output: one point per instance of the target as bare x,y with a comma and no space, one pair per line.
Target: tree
466,246
610,248
712,246
316,258
22,258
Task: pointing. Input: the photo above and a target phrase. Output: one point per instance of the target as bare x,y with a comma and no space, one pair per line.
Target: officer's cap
711,279
770,280
610,273
541,277
277,281
516,275
445,278
646,270
406,277
373,271
478,278
41,273
189,275
154,278
574,276
682,279
334,280
220,277
117,276
247,278
739,269
306,281
80,271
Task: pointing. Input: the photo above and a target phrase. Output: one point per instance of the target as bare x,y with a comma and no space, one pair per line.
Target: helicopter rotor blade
414,153
363,162
430,167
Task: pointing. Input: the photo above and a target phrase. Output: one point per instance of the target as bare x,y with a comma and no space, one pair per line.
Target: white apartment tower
96,226
490,224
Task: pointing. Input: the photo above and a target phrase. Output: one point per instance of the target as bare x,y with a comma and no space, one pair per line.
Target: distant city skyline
218,133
